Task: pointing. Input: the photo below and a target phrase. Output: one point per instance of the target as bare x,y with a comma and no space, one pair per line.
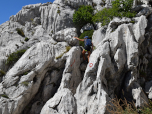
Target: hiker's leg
83,54
88,56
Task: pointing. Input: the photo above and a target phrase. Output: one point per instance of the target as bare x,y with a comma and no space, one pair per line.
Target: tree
83,15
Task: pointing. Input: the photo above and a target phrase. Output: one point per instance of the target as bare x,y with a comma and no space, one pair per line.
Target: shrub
20,32
83,15
5,96
13,57
85,33
120,8
119,106
58,11
26,39
2,73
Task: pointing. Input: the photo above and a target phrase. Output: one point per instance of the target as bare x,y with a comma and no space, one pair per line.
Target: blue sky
11,7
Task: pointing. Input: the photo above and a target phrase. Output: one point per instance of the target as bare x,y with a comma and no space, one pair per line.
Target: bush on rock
120,8
13,57
83,15
20,32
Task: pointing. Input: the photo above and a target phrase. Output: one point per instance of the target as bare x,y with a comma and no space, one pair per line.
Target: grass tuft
25,83
5,96
67,49
26,39
2,73
14,57
119,106
20,32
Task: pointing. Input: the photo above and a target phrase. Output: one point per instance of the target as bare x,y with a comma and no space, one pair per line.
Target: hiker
87,46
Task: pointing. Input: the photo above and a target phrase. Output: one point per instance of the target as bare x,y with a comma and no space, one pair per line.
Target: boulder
98,36
67,35
87,27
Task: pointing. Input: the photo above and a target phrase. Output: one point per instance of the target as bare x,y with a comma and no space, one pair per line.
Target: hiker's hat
86,37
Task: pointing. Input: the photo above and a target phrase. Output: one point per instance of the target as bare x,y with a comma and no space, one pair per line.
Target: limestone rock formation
51,76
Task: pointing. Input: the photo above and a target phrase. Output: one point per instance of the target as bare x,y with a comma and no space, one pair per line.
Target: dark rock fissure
38,99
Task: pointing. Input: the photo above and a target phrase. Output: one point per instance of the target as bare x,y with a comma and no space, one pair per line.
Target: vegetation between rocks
5,96
13,57
20,32
120,8
2,73
119,106
67,49
83,15
26,39
25,83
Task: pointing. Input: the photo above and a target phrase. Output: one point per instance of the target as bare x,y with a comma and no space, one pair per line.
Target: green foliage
20,32
58,11
52,31
5,96
83,15
13,57
67,49
25,73
147,109
21,42
120,8
59,56
85,33
2,73
26,39
25,83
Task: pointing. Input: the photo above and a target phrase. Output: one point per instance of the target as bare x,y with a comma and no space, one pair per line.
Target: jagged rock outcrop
51,76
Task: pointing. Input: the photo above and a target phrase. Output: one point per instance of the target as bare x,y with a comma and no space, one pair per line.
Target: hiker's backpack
88,42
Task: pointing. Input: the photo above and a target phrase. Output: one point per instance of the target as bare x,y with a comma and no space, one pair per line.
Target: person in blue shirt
87,46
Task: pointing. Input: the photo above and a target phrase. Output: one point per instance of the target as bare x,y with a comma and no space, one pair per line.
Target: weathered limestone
87,27
98,36
67,35
22,87
52,79
63,101
103,76
55,17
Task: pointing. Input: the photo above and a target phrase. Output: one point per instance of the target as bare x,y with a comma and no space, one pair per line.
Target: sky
12,7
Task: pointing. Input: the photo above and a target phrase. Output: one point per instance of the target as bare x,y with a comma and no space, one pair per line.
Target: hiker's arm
79,39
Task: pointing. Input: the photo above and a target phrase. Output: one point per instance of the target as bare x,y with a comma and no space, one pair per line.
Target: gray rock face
51,76
23,87
102,75
28,13
87,27
98,36
55,17
67,35
64,101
